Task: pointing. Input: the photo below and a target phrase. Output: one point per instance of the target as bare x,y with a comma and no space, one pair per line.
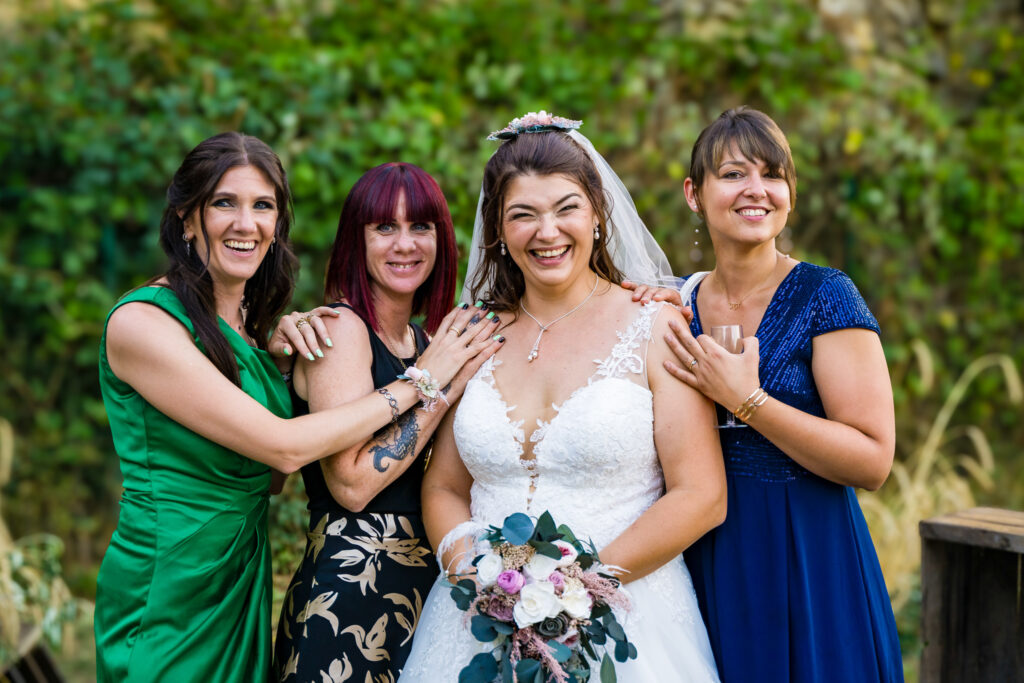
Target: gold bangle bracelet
750,406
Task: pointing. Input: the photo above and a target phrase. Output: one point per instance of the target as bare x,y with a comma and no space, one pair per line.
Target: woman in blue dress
789,586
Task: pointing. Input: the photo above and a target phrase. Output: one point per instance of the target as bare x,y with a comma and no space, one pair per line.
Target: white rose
540,567
537,602
576,603
569,553
487,570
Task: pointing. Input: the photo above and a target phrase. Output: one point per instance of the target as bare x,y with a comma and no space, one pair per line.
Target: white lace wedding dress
595,469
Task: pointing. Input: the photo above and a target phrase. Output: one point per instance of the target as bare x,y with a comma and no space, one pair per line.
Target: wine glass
730,337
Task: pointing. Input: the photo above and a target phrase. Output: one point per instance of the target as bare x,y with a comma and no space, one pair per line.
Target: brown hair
754,134
548,153
268,291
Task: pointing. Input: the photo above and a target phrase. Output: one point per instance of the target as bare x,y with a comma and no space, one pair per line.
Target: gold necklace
390,346
733,305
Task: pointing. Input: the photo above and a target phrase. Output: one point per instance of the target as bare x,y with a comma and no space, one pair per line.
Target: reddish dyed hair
374,199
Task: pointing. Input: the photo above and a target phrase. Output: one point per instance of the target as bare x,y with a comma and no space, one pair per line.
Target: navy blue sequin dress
790,586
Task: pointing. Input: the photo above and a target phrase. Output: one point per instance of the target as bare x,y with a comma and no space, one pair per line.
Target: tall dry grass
942,474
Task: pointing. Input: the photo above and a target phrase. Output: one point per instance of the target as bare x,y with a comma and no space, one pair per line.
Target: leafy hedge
910,156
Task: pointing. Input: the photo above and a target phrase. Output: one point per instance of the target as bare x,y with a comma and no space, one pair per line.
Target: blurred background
906,119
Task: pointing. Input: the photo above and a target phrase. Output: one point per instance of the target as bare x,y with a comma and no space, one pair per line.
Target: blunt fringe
269,290
374,199
549,153
756,136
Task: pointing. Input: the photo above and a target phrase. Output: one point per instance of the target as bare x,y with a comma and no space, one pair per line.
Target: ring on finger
457,331
693,363
301,322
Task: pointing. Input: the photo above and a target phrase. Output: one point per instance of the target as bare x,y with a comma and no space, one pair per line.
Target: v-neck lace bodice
594,464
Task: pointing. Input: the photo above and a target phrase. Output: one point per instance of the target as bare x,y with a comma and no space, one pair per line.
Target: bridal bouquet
543,598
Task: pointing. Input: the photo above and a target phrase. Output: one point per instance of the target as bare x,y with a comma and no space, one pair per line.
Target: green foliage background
909,148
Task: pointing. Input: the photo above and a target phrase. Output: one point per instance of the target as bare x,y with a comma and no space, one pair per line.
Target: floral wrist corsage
428,388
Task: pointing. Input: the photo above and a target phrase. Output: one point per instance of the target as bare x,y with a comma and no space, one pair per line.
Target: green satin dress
184,591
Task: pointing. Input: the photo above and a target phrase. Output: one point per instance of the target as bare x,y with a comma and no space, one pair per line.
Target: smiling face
400,254
741,199
240,219
548,226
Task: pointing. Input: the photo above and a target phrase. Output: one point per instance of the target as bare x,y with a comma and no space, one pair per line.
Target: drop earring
272,243
597,231
502,243
188,244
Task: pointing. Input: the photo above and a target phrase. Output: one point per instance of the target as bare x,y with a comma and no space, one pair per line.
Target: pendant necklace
733,305
389,345
534,352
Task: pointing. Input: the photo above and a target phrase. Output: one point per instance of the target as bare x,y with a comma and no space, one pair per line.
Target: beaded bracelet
750,406
391,402
428,388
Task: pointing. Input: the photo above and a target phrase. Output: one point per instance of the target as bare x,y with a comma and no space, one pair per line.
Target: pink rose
557,580
510,581
499,610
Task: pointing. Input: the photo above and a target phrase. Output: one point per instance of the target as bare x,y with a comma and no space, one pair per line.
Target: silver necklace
534,352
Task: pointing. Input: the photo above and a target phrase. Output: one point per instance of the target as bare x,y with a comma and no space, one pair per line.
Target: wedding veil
632,248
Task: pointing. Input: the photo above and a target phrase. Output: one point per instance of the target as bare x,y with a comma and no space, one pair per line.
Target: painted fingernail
319,353
495,319
329,343
478,304
485,307
464,305
310,356
490,315
287,350
498,338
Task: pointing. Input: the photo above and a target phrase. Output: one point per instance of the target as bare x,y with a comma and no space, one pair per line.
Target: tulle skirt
664,623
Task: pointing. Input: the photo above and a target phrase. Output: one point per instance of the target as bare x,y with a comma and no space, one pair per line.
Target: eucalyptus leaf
482,628
527,668
613,627
517,529
481,669
560,652
607,670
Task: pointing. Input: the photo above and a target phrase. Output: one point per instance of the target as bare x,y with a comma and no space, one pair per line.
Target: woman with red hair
354,601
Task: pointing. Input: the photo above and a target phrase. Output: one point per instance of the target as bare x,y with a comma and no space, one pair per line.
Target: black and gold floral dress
352,606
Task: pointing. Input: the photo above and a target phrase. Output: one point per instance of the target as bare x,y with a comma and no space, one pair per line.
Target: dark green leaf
527,668
482,628
547,549
503,628
481,669
546,530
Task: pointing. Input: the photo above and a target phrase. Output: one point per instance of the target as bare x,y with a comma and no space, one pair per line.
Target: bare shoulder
347,325
142,323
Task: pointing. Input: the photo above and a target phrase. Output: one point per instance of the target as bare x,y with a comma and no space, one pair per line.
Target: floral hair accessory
428,388
534,122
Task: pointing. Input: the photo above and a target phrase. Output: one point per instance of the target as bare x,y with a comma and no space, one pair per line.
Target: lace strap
624,358
466,530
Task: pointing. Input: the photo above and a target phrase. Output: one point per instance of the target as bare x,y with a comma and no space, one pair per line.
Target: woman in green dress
198,410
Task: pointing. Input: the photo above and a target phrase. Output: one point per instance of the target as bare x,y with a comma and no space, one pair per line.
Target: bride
576,413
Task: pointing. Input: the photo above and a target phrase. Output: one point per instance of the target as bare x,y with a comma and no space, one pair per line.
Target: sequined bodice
594,466
810,301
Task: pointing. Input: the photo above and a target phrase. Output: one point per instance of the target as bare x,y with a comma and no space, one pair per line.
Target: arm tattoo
397,441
